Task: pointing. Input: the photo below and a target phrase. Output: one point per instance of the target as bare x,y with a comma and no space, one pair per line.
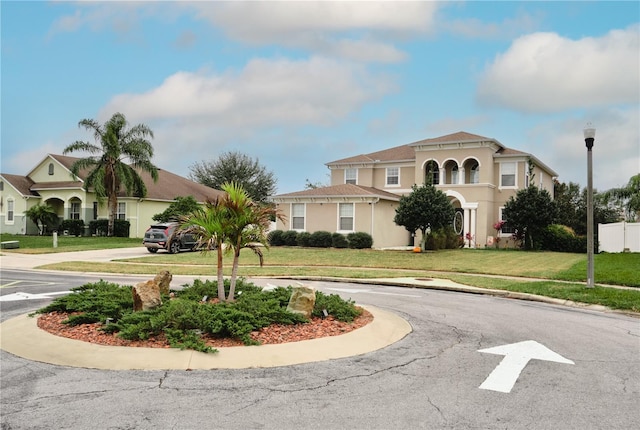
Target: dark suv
164,236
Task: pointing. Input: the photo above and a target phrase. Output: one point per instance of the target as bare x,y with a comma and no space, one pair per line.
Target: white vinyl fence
619,237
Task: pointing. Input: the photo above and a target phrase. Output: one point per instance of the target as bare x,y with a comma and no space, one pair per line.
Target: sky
300,84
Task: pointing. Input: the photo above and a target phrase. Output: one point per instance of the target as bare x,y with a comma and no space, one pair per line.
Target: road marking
28,296
25,283
516,358
368,291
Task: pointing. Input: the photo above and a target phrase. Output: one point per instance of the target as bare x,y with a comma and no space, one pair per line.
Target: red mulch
275,333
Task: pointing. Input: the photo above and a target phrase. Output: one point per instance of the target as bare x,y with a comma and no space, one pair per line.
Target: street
573,369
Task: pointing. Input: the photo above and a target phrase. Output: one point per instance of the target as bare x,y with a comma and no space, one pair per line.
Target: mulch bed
273,334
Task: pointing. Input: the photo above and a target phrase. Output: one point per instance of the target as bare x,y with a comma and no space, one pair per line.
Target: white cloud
616,152
265,93
474,28
544,72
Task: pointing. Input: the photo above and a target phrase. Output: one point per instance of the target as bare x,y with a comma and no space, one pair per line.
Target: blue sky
300,84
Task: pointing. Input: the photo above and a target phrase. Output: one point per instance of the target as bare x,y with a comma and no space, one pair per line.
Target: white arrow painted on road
516,358
26,296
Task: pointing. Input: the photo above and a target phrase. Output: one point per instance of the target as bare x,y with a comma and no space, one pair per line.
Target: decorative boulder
163,279
302,301
147,295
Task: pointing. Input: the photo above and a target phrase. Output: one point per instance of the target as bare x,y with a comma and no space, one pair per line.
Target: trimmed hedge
100,227
339,241
561,238
320,239
303,239
75,227
290,238
359,240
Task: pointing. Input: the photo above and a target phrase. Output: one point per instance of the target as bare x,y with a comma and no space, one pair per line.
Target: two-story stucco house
478,174
50,182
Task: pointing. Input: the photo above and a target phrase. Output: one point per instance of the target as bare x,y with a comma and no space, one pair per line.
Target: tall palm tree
108,171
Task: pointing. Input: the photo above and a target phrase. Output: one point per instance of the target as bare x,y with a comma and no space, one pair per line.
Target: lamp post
589,137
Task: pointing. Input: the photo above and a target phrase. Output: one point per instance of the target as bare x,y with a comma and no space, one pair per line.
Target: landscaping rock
302,301
163,279
146,295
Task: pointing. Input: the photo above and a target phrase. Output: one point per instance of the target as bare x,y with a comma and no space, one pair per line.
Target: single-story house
51,182
478,174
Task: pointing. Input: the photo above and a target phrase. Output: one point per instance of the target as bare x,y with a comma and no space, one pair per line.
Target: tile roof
461,136
21,183
167,188
398,153
341,190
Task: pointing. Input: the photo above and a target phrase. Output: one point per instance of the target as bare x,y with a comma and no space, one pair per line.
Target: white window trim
356,176
79,210
501,234
515,179
386,177
353,218
118,212
304,216
10,202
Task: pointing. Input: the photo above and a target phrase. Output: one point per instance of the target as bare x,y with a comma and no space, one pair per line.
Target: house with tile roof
477,173
51,182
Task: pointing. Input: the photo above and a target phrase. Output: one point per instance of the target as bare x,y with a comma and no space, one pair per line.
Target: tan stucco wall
41,172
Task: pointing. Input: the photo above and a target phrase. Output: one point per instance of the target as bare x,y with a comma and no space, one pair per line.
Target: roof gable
397,153
21,184
341,190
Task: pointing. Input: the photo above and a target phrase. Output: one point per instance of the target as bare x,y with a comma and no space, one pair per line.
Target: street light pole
589,137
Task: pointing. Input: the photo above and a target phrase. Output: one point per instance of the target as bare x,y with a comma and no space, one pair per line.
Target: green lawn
559,275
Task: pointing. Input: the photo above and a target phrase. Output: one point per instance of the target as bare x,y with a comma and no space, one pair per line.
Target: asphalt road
436,377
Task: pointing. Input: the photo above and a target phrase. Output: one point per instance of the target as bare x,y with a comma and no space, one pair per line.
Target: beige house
478,174
50,182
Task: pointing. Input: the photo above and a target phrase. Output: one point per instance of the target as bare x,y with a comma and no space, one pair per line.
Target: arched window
474,174
432,173
51,168
454,174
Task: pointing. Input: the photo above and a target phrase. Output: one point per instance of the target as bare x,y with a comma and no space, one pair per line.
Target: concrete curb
22,337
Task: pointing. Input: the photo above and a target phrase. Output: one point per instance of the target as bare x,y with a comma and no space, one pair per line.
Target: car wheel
152,250
174,247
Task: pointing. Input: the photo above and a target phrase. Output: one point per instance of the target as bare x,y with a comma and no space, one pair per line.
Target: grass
44,244
557,274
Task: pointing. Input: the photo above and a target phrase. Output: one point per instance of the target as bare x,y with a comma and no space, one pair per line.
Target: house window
10,210
507,174
474,174
432,173
50,168
506,230
454,175
393,176
74,210
122,211
346,216
351,176
297,216
95,210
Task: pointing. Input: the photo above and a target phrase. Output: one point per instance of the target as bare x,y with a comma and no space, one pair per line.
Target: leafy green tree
108,173
627,198
43,216
529,213
568,200
180,206
424,208
236,167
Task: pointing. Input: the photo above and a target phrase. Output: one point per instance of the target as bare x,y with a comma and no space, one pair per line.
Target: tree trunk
234,275
113,209
221,295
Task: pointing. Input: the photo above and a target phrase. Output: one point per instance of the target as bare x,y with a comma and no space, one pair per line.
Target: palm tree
627,197
234,222
208,225
247,226
107,170
42,215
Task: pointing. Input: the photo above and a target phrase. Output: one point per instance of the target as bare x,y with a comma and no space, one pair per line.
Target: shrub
100,227
444,238
359,240
75,227
303,239
339,241
275,238
320,239
340,309
290,238
561,238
